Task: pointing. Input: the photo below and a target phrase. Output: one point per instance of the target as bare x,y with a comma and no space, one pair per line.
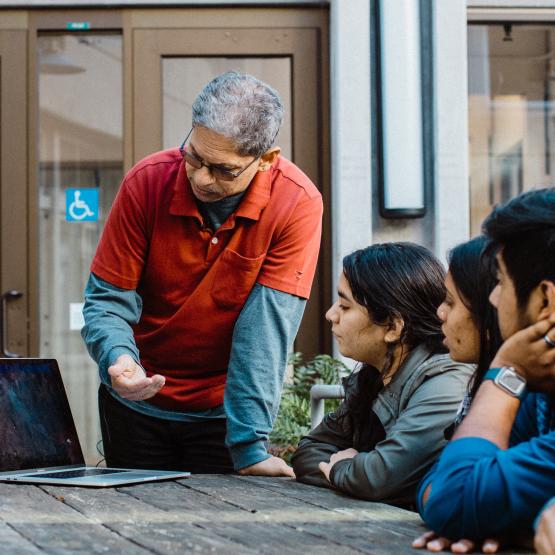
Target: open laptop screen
36,426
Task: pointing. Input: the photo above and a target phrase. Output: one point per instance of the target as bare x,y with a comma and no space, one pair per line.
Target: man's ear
267,159
547,298
394,331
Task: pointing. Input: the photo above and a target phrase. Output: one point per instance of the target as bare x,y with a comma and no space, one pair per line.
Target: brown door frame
14,233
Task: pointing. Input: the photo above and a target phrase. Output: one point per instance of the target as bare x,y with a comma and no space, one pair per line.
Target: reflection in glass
80,102
184,78
511,113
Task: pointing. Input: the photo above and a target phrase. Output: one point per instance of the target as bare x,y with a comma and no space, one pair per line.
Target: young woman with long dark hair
390,427
469,320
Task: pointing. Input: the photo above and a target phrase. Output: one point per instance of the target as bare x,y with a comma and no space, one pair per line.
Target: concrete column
351,177
452,193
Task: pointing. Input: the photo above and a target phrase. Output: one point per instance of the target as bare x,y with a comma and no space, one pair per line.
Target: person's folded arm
333,434
109,313
392,470
424,485
263,333
483,489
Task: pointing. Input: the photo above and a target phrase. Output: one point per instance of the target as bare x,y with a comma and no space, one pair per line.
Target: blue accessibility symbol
82,205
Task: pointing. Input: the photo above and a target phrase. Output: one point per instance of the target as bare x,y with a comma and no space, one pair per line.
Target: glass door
80,169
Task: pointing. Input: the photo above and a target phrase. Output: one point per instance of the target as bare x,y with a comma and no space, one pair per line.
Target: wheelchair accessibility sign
82,205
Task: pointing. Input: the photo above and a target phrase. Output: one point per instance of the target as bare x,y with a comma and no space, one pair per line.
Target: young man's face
511,316
503,298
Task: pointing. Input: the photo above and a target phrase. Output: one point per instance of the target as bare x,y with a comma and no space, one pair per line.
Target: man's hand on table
544,542
432,542
130,381
325,467
273,466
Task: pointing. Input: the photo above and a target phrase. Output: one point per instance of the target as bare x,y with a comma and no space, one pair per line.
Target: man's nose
203,176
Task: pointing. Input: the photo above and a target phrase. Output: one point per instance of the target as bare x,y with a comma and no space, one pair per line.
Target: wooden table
204,514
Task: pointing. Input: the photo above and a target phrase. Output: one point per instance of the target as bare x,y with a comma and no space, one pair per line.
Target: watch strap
496,375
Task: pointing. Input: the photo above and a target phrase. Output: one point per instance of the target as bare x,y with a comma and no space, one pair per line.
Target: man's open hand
130,381
274,466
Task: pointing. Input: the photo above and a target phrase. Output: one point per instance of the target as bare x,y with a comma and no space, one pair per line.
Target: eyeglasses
216,171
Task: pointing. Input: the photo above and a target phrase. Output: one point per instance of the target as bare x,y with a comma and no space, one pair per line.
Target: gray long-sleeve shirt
419,403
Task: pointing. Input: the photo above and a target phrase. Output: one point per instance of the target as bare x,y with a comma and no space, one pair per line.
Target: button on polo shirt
194,282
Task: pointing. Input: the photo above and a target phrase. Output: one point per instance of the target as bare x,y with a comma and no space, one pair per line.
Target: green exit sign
78,26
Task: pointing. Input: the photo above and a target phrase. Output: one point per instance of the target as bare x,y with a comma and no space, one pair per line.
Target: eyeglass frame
218,173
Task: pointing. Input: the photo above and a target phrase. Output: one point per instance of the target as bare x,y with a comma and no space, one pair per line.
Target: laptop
38,439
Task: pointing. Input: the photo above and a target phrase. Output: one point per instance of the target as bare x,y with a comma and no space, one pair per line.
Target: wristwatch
509,380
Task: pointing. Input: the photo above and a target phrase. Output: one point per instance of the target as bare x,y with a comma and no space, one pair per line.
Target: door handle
7,296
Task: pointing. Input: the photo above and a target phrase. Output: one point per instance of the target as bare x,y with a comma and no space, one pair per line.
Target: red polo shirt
193,282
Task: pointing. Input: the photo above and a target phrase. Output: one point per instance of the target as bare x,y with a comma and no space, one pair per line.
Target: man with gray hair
198,287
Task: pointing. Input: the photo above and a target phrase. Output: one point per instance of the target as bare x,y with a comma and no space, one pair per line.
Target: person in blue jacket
498,471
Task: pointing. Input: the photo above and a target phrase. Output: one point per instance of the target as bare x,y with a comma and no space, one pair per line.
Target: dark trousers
134,440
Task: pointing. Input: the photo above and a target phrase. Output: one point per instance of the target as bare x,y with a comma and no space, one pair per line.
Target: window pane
511,113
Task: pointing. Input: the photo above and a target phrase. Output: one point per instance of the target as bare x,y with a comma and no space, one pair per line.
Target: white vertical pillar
351,177
452,217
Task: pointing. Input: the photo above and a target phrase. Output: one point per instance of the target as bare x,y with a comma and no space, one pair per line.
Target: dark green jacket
417,405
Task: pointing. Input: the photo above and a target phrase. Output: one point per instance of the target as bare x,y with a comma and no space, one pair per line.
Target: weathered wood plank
179,496
110,505
167,529
23,504
69,539
394,517
56,528
179,538
278,539
329,498
15,544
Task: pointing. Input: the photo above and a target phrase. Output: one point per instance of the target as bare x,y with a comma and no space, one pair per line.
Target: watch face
511,381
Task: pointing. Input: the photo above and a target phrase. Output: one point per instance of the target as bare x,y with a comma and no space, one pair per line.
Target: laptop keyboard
79,473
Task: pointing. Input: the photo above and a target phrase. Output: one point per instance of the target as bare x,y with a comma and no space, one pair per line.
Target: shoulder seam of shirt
146,163
445,362
301,185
